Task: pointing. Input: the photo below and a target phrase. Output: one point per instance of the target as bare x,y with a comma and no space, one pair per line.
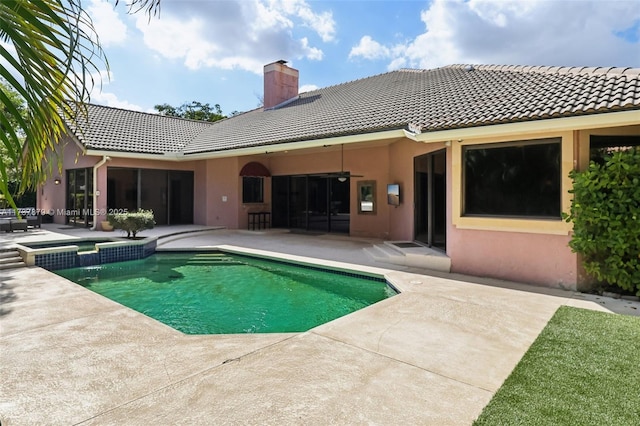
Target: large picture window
521,179
252,189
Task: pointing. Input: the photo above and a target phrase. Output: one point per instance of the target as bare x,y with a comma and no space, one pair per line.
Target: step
10,259
213,260
9,253
13,265
414,256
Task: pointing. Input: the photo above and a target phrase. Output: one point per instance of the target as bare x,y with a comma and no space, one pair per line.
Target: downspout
95,186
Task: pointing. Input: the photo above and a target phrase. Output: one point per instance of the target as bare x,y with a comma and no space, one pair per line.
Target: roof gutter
291,146
170,156
590,121
95,185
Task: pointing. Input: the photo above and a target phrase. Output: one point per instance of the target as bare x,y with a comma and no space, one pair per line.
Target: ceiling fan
342,175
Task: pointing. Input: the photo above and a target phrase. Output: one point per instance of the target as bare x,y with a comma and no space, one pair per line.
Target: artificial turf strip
583,369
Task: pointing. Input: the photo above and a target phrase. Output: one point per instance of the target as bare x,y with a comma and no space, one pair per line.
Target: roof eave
291,146
168,156
587,121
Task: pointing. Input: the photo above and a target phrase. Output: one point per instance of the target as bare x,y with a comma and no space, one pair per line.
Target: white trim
172,156
610,119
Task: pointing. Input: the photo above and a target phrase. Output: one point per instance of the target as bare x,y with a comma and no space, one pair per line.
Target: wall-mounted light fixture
57,181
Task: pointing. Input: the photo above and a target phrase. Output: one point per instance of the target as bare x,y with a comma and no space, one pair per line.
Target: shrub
605,212
132,222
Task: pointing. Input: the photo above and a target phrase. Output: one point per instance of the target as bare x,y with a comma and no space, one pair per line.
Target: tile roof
452,97
114,129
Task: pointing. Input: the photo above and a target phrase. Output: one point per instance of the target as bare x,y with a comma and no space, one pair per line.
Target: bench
10,224
259,220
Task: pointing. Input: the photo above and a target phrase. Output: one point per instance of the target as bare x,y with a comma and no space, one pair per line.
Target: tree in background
48,52
27,199
193,111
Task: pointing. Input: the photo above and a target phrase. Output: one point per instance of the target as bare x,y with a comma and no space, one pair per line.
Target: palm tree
48,51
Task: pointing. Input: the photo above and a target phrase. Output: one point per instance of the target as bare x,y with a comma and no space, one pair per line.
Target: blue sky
213,51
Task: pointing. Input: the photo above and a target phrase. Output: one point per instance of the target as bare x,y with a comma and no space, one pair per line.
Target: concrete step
9,253
412,255
10,258
14,265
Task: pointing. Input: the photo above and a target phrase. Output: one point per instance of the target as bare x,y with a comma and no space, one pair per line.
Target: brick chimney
280,83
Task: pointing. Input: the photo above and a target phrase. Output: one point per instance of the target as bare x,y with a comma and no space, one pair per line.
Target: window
600,146
252,190
521,179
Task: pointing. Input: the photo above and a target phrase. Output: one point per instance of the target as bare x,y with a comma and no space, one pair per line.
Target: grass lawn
583,369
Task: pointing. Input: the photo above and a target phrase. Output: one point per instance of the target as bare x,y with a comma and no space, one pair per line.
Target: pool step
10,259
212,259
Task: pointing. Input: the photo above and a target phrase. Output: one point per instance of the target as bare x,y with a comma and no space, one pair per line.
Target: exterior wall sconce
57,181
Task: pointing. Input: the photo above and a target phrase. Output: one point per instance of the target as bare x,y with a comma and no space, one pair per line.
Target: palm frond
56,51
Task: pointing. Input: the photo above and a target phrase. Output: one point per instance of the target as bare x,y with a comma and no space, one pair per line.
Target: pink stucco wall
223,193
52,198
531,258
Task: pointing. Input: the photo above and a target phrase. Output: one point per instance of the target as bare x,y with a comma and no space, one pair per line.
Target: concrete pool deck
434,354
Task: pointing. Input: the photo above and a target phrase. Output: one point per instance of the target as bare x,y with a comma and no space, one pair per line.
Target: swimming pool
220,293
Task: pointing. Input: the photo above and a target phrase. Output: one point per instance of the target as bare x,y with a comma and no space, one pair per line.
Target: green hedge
132,222
605,212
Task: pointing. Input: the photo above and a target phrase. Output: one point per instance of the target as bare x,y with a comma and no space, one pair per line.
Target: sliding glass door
79,210
310,203
169,193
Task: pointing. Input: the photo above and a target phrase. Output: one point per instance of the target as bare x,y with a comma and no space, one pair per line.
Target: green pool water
217,293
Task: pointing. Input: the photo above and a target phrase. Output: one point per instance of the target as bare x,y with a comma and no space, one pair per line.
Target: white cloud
307,88
110,29
111,100
321,23
312,52
236,34
98,96
176,39
523,32
368,48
